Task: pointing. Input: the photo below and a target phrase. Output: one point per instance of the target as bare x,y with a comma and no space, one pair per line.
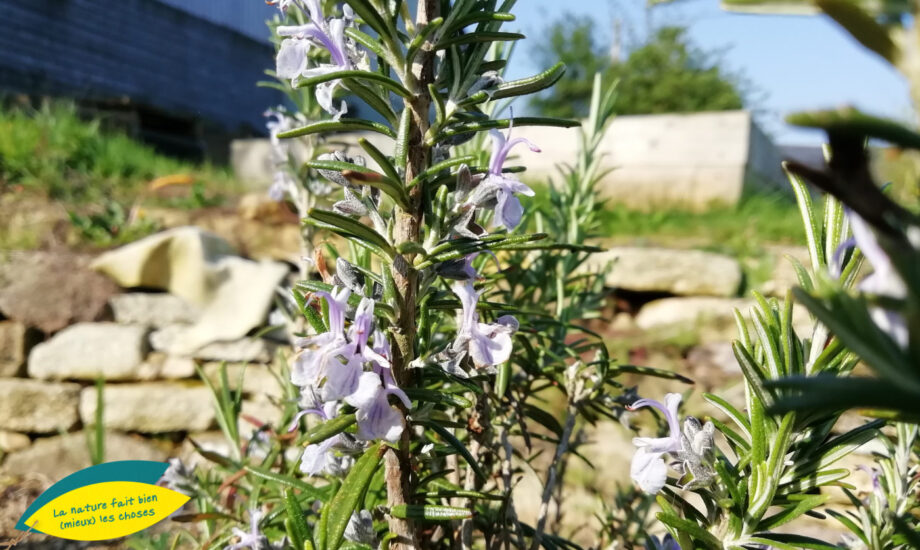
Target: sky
793,63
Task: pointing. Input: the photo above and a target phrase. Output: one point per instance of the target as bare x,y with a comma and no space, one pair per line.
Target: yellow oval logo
106,510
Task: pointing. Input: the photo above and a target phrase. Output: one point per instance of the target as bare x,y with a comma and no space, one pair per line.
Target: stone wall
684,160
69,320
147,338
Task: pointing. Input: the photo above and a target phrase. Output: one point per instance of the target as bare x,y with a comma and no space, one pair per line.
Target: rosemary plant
777,455
445,350
420,386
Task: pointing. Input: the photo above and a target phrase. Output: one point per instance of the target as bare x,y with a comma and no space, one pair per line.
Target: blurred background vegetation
666,74
96,172
52,150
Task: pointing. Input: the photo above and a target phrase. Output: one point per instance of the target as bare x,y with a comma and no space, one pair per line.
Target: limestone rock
241,303
13,441
50,291
16,340
151,407
163,340
87,351
59,456
623,322
175,260
235,294
690,312
33,406
681,272
710,318
717,356
170,340
152,309
712,365
162,366
256,350
257,229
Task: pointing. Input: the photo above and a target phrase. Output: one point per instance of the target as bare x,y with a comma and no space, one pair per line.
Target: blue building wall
198,62
246,17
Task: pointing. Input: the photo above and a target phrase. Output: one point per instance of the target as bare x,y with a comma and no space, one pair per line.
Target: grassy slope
53,152
52,156
741,230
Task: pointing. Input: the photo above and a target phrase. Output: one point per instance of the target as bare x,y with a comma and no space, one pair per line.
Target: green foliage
51,150
411,225
668,75
572,41
893,495
95,432
665,75
115,224
757,219
776,461
570,213
626,522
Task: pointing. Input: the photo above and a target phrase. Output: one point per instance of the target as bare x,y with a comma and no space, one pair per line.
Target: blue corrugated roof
246,17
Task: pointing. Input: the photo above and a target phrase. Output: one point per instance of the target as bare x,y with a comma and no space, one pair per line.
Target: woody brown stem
405,278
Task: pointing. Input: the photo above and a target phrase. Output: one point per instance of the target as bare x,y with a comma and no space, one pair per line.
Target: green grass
52,151
742,229
97,175
759,218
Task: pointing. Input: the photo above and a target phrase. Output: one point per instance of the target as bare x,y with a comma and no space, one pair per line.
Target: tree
572,41
665,75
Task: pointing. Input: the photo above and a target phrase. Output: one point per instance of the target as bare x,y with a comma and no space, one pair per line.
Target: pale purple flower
342,379
282,183
254,539
323,350
666,543
488,344
360,529
319,458
277,123
293,60
381,347
878,492
883,281
311,403
377,419
499,189
462,269
648,468
359,332
332,367
179,477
